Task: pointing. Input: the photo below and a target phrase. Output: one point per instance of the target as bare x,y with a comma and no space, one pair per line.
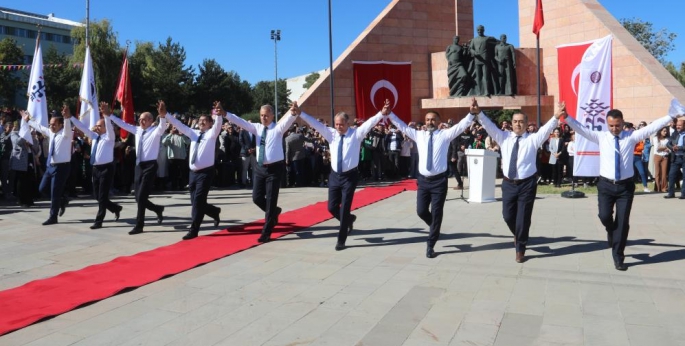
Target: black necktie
340,154
429,158
513,161
197,148
52,148
617,158
95,150
262,148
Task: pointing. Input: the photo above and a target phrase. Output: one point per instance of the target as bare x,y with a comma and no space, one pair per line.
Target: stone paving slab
381,290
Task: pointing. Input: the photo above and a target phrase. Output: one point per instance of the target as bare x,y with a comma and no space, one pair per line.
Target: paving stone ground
381,290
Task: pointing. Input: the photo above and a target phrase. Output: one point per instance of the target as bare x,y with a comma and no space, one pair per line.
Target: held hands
561,111
219,109
66,112
105,109
25,115
295,109
386,108
161,109
474,109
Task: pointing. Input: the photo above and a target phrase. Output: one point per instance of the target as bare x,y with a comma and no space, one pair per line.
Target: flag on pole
587,65
539,20
38,104
89,110
377,81
124,96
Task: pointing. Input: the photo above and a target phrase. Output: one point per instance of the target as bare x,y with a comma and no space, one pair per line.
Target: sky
236,33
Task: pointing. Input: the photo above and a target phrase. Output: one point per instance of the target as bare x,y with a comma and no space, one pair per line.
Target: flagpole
537,40
87,22
330,59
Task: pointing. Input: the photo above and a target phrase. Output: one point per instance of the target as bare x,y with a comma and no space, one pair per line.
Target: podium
482,166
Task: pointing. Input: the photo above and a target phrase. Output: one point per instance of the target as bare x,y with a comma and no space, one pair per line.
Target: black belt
59,164
344,174
520,181
272,164
435,177
104,164
204,170
615,182
147,162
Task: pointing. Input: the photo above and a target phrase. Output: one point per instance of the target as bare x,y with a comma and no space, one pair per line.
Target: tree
62,82
10,81
658,43
263,94
143,96
105,52
311,79
213,83
167,75
678,74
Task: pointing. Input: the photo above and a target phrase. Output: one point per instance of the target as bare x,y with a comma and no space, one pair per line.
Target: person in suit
676,145
555,146
519,186
147,142
296,158
616,187
270,161
58,163
248,147
202,153
102,161
21,166
345,144
432,145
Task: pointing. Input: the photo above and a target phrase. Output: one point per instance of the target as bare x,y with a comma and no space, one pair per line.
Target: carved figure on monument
458,77
506,62
482,51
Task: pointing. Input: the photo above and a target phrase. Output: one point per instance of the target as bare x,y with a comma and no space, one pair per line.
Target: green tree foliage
263,94
10,81
62,83
143,96
499,115
168,76
214,83
659,43
106,54
311,79
679,74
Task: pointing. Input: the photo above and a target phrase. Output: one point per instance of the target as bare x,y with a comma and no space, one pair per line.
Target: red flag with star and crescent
539,20
124,96
377,81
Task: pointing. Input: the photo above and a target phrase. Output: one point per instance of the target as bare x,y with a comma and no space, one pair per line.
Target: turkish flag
568,59
377,81
125,96
539,20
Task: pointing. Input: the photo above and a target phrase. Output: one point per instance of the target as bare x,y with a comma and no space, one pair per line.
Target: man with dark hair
345,144
58,163
433,145
676,144
148,140
616,187
270,156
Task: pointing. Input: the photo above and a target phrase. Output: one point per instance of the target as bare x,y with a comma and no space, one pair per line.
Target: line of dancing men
518,147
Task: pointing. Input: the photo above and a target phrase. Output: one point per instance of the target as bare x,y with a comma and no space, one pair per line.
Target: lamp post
330,60
276,36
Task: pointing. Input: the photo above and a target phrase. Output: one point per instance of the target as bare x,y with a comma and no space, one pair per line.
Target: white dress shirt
207,146
150,142
62,140
351,143
274,135
105,148
607,146
441,142
528,145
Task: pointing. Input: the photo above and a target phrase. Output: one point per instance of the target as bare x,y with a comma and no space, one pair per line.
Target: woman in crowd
661,157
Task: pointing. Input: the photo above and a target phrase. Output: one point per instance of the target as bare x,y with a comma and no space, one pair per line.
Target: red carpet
40,299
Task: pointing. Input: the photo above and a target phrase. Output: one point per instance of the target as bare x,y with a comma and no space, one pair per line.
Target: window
66,39
9,30
49,37
32,34
20,32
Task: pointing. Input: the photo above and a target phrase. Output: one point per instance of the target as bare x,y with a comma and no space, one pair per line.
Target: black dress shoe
620,266
160,215
353,218
96,225
278,213
117,214
681,197
62,208
430,253
264,239
190,235
669,196
217,219
339,247
520,257
135,230
49,222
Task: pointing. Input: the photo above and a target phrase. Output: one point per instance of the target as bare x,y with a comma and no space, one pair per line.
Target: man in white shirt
345,144
270,161
616,186
432,146
60,134
201,163
102,161
147,149
519,186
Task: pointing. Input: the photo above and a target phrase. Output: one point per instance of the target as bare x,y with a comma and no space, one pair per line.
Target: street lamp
276,36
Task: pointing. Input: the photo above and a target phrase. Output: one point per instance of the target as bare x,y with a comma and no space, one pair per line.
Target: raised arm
124,125
410,132
652,128
182,128
592,136
543,134
324,130
106,112
490,127
81,126
216,128
456,130
34,124
288,119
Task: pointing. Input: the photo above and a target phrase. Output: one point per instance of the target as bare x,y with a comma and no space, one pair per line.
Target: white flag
594,101
38,103
90,113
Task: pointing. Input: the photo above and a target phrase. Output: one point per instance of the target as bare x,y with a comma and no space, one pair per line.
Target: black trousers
517,208
177,170
144,181
678,164
457,174
619,195
54,181
341,188
102,182
265,187
199,184
431,193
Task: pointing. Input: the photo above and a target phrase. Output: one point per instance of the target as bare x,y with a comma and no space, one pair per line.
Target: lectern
482,173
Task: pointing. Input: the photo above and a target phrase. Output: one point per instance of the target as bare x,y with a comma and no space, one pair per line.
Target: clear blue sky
236,32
